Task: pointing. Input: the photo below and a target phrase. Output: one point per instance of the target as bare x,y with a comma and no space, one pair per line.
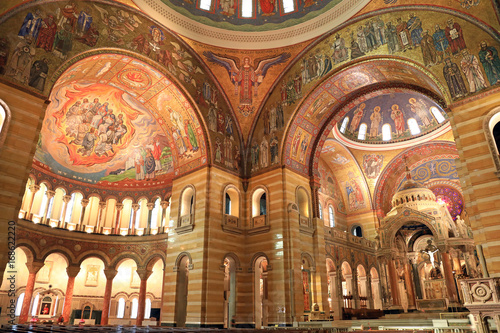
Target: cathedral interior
249,163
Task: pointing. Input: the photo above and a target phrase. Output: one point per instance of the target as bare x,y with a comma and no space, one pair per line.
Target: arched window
43,188
362,131
135,307
386,132
35,305
496,135
228,205
437,114
288,6
19,305
263,205
320,210
344,125
412,124
120,312
3,115
69,209
357,231
246,8
331,216
205,4
302,200
147,310
55,306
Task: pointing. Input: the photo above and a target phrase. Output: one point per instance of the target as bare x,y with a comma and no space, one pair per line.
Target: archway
260,292
229,290
181,294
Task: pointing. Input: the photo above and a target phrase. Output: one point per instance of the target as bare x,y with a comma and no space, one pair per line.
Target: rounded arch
29,250
61,250
187,201
374,272
330,264
491,128
361,271
260,200
258,256
402,221
231,197
303,200
235,259
307,258
125,256
346,268
94,254
152,259
179,259
5,116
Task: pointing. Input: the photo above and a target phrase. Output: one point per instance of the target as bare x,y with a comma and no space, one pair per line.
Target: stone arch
491,119
254,259
125,256
94,254
303,200
152,259
402,220
306,256
179,259
63,251
235,258
29,249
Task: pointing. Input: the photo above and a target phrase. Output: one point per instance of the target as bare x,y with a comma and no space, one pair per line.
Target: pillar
135,207
33,268
449,277
409,285
164,206
119,208
110,275
393,279
100,217
84,203
416,280
66,199
151,206
50,195
315,186
33,189
144,275
72,271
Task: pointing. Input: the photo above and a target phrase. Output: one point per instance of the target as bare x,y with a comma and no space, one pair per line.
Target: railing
343,235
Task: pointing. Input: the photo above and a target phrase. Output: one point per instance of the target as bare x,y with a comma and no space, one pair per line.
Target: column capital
151,206
143,273
135,206
85,202
50,193
102,204
67,198
72,270
34,266
119,206
110,273
34,188
165,204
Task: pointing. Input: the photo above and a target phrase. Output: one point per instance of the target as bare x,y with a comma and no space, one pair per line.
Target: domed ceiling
251,24
115,121
390,116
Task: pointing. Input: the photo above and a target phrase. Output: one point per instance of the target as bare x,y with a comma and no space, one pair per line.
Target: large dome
251,24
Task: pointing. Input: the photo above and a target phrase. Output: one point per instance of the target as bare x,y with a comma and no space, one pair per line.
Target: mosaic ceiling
115,120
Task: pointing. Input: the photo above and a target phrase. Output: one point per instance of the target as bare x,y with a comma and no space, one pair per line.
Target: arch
125,256
64,252
491,128
303,201
233,195
234,257
256,257
307,258
187,201
402,220
152,259
180,258
260,201
357,230
5,117
95,254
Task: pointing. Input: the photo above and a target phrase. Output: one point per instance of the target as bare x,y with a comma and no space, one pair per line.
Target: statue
430,250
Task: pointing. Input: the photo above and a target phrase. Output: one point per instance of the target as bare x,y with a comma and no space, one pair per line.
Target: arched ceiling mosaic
389,116
115,121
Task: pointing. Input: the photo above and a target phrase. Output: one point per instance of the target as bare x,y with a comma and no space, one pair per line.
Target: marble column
164,206
315,186
100,217
119,208
66,199
416,278
151,206
393,279
84,203
135,207
50,195
449,277
72,271
33,189
110,275
33,268
144,275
